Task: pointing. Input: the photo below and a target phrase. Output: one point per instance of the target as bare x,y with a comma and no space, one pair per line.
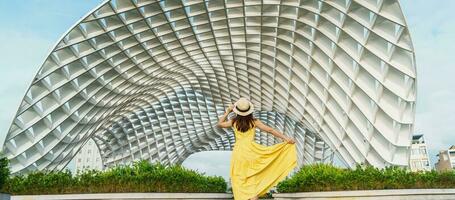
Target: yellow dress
255,168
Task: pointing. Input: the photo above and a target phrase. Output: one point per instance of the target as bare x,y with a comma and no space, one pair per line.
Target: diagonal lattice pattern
145,135
147,79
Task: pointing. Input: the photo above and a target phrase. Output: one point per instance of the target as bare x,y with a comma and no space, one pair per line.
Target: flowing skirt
256,168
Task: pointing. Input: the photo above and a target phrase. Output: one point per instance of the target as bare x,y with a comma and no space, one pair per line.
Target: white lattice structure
149,79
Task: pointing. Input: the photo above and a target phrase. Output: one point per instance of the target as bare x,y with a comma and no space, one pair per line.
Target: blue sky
29,29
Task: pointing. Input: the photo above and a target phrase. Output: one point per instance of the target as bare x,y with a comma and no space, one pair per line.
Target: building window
426,163
423,150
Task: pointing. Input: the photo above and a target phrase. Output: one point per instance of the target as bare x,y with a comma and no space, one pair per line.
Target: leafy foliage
323,177
4,170
142,176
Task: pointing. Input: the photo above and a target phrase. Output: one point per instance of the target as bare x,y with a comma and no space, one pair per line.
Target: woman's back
240,135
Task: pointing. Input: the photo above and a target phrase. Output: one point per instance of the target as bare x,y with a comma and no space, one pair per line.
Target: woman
256,168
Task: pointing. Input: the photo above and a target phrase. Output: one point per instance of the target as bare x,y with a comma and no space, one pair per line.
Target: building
446,160
88,157
148,79
419,160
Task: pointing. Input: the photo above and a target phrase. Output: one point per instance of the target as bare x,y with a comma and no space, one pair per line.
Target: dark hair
243,123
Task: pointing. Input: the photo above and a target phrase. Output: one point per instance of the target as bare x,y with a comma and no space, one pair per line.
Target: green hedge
142,176
323,177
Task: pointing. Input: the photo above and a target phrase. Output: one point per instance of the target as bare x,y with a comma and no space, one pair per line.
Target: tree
4,169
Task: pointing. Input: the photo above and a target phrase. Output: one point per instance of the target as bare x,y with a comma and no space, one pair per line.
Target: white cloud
432,27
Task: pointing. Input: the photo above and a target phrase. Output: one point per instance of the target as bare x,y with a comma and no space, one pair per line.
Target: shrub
323,177
4,170
141,176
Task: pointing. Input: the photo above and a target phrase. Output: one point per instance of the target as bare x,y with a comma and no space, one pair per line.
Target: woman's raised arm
274,132
222,123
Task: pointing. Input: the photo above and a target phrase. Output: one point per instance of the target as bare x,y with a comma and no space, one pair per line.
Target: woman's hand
222,123
229,108
289,140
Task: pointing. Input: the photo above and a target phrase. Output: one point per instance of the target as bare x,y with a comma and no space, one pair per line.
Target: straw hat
243,107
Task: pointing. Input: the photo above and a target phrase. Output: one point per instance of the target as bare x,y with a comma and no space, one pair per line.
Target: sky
29,30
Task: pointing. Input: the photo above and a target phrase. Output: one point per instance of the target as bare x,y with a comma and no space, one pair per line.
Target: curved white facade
148,80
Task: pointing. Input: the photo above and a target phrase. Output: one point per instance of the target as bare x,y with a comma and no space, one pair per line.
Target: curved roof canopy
148,80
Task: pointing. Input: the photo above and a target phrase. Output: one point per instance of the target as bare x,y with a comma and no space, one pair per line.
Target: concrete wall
408,194
122,196
4,196
445,160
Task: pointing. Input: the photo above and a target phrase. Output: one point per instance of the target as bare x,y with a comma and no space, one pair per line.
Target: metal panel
148,79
